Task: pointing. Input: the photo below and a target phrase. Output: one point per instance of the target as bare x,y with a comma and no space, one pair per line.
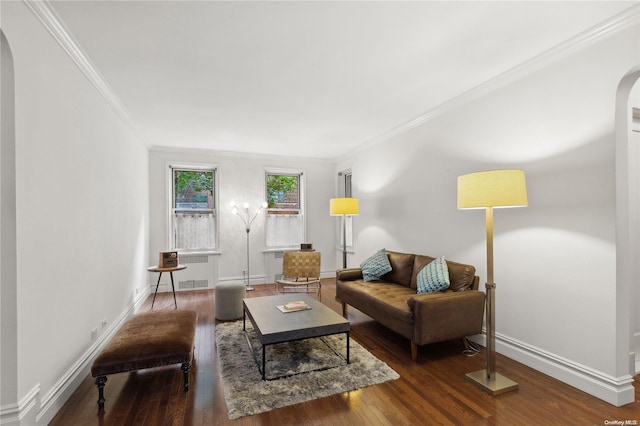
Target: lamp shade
343,206
494,188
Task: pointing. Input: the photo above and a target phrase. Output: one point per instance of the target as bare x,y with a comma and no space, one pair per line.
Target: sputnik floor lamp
344,207
489,190
247,219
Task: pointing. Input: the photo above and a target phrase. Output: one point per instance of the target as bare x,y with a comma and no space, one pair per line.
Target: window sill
199,253
280,249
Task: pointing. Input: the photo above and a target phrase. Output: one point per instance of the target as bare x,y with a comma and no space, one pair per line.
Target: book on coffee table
298,305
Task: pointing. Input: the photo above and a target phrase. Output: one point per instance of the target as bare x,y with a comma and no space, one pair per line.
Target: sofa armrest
349,274
448,315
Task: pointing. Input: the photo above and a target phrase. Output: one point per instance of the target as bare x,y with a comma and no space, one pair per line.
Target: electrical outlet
104,322
244,272
137,290
94,333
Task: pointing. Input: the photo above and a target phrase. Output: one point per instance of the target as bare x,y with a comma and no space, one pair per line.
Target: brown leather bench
150,339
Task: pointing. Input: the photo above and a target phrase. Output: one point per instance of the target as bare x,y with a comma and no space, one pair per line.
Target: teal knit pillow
434,277
375,266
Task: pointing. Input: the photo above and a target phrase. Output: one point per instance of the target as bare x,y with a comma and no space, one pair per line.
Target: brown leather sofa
422,318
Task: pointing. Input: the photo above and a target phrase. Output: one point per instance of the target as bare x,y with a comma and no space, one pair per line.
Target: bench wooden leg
186,366
344,309
414,351
100,381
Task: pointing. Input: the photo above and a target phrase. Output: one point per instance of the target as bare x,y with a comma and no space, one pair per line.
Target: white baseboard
617,391
21,412
34,409
255,279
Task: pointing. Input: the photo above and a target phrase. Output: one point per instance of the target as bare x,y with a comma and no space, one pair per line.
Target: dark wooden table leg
100,381
154,294
186,367
174,290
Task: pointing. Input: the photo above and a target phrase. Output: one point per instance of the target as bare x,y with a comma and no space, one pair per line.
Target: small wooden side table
170,271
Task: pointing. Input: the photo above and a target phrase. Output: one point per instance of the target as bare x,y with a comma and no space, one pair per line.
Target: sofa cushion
375,266
401,268
384,300
461,276
433,277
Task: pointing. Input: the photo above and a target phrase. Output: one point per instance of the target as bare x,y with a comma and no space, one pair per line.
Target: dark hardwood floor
432,390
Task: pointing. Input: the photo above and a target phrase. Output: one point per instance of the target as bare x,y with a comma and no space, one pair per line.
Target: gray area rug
246,393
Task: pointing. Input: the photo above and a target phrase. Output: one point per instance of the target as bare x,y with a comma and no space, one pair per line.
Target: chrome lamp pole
247,219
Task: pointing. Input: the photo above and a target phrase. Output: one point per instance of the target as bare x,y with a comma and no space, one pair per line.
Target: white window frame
302,201
170,208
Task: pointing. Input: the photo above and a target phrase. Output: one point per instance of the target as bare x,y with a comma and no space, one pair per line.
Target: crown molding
55,26
50,20
237,154
587,38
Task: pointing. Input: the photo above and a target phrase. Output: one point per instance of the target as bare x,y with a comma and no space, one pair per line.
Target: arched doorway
8,248
627,230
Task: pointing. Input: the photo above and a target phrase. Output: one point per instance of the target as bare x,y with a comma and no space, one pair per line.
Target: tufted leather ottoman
150,339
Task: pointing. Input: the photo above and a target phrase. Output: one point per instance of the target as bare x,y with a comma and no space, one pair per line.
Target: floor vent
193,284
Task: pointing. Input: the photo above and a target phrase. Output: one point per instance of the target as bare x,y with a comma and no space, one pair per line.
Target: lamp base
495,386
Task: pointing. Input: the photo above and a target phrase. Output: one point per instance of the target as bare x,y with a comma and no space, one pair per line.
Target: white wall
242,179
554,260
634,140
82,216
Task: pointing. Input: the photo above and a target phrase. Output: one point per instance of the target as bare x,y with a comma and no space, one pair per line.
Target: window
346,191
193,208
347,185
285,207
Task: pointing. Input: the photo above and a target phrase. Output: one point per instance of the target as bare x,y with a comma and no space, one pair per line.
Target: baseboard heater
199,272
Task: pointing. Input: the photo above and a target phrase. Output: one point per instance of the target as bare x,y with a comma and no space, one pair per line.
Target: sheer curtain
194,231
284,230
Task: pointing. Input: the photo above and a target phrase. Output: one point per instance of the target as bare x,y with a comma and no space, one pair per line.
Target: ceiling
302,78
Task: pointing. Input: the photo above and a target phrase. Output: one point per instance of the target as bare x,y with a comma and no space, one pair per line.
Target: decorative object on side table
344,207
247,219
489,190
168,259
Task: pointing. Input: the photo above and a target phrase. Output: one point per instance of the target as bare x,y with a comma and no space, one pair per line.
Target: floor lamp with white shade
247,219
488,190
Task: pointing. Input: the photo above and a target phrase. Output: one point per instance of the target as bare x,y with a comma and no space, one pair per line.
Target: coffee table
273,326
